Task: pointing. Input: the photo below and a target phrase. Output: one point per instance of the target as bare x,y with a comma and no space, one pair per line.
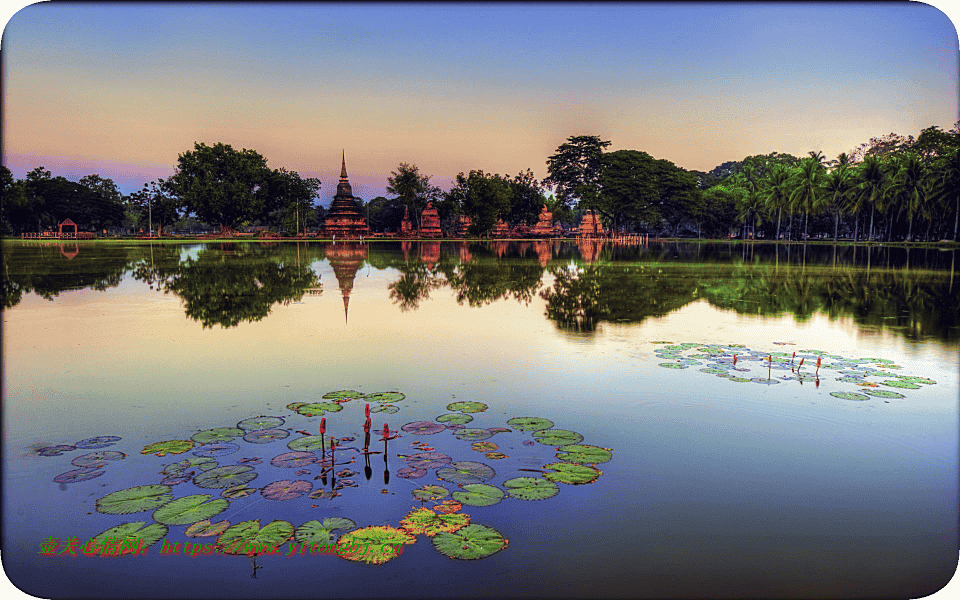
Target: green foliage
484,198
530,488
168,447
315,532
470,543
373,545
149,535
557,437
248,538
220,434
430,492
225,477
575,170
468,407
412,190
479,494
189,510
584,454
425,521
571,473
530,423
134,499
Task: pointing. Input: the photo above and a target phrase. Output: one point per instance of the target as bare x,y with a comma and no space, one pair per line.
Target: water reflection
583,283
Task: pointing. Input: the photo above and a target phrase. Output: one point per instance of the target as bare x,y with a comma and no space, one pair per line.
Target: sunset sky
122,89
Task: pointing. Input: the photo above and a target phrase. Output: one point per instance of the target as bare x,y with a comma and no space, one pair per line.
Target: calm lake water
751,482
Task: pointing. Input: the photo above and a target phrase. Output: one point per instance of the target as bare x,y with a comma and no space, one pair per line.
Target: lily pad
351,394
220,434
472,435
849,396
314,532
145,536
557,437
674,365
390,409
294,460
189,464
373,545
225,477
385,397
912,379
309,443
265,436
97,459
429,523
238,491
167,447
454,419
286,489
428,460
189,510
55,450
530,423
484,446
530,488
466,471
295,405
430,492
479,494
411,473
319,408
468,407
712,371
216,449
206,529
248,538
423,428
584,454
884,394
81,474
496,455
261,422
571,473
101,441
470,543
899,383
134,499
764,381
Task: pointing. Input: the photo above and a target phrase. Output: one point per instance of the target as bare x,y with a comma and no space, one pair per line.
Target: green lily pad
466,471
352,394
472,435
430,492
484,446
557,437
384,397
206,529
134,499
468,407
237,491
385,408
530,423
265,436
470,543
674,365
248,538
911,379
572,473
167,447
899,383
189,510
429,523
309,443
849,396
221,434
295,405
884,394
584,454
294,460
286,489
225,477
739,379
713,371
261,422
454,419
315,532
319,408
373,545
530,488
149,535
479,494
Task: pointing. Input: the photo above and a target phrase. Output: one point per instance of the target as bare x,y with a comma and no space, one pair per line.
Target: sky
122,89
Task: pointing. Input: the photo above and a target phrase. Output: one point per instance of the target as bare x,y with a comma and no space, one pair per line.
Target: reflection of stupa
590,248
430,222
591,225
346,259
430,253
343,218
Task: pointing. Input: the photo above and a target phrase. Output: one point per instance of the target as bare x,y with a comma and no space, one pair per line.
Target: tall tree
630,188
575,170
837,186
806,192
947,184
527,199
775,192
296,198
222,185
482,197
412,189
872,186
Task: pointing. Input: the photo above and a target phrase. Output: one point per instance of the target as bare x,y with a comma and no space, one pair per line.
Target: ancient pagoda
590,226
545,226
406,225
430,222
463,225
500,230
344,219
346,259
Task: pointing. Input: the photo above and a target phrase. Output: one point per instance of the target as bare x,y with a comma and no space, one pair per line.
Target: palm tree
947,184
836,188
776,191
806,192
910,189
872,186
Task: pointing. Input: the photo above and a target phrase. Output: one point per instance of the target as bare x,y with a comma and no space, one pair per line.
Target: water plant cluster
224,461
739,364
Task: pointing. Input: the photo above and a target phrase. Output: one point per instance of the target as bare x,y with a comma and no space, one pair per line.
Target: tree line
891,188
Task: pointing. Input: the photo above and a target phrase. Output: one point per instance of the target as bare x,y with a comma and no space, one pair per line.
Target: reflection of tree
225,289
414,286
482,282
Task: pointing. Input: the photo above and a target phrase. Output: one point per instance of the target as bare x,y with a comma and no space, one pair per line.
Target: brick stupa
344,220
430,222
501,229
406,225
545,226
346,259
590,226
463,224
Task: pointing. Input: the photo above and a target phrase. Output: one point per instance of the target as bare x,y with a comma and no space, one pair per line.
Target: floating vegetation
472,435
574,474
225,477
468,407
384,397
82,474
764,380
530,423
348,394
265,436
427,522
216,449
55,450
430,492
385,408
315,532
148,536
466,471
411,473
584,454
295,405
239,491
674,365
286,489
557,437
97,459
308,443
713,371
428,460
167,447
531,488
479,494
496,455
454,419
884,394
319,409
449,506
189,510
261,422
423,428
380,544
248,538
220,434
134,499
181,467
101,441
470,543
206,529
922,380
900,383
849,396
484,446
294,460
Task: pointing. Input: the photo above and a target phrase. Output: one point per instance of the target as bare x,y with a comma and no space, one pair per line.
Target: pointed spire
346,306
343,168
